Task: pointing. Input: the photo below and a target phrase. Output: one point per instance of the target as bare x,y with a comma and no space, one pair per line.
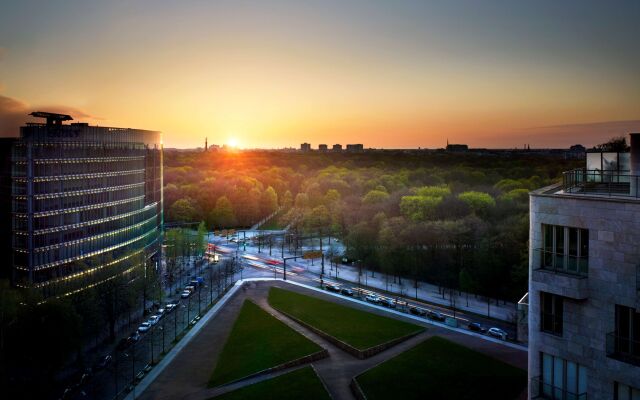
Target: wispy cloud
563,136
587,134
14,113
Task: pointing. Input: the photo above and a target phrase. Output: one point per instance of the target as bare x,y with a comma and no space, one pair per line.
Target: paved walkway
187,375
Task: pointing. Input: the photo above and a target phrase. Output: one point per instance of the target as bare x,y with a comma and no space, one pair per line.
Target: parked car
347,292
497,333
161,311
332,288
418,311
145,326
372,298
185,294
436,316
388,303
170,307
86,375
128,341
103,362
154,319
190,288
476,327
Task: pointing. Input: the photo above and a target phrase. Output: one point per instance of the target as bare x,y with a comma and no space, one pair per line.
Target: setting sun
232,142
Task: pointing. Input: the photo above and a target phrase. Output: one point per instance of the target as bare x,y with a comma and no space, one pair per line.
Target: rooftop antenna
52,118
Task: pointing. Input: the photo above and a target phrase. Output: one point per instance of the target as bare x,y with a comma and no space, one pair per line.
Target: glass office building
86,204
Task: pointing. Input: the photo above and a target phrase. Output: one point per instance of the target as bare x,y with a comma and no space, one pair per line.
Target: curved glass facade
86,205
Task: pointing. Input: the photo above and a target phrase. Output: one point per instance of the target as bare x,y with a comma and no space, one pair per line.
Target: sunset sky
392,74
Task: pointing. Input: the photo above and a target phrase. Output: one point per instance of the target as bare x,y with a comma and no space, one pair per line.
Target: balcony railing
563,263
605,183
623,348
542,390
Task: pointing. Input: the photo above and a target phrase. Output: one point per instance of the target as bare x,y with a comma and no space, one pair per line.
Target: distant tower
205,144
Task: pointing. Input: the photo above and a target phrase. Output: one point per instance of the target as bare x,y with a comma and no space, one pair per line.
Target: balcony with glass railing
543,390
561,274
602,183
563,263
606,174
623,348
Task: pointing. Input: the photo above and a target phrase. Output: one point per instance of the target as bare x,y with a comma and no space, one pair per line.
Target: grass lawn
359,329
258,341
440,369
302,383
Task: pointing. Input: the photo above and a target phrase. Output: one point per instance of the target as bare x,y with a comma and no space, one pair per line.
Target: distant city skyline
275,74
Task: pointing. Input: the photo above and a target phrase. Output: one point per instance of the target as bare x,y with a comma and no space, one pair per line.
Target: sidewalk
426,291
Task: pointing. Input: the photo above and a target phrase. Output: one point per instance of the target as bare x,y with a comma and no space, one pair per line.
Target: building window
625,392
551,308
565,249
562,379
624,343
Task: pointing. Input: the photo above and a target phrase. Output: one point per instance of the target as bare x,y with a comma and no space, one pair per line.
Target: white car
372,298
154,319
161,312
170,307
185,294
497,333
145,326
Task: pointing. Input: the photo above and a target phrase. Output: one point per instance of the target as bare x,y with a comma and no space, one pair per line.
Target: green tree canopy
375,196
269,201
477,201
182,210
222,216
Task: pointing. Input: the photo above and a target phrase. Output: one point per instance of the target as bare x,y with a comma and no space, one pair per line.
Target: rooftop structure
584,281
355,148
457,147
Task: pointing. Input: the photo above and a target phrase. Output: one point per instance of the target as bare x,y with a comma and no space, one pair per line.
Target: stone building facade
584,290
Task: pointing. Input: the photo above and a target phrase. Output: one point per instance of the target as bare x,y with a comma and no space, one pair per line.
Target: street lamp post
153,330
322,260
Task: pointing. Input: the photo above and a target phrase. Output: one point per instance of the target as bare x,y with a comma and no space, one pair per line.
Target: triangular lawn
440,369
258,341
357,328
302,383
